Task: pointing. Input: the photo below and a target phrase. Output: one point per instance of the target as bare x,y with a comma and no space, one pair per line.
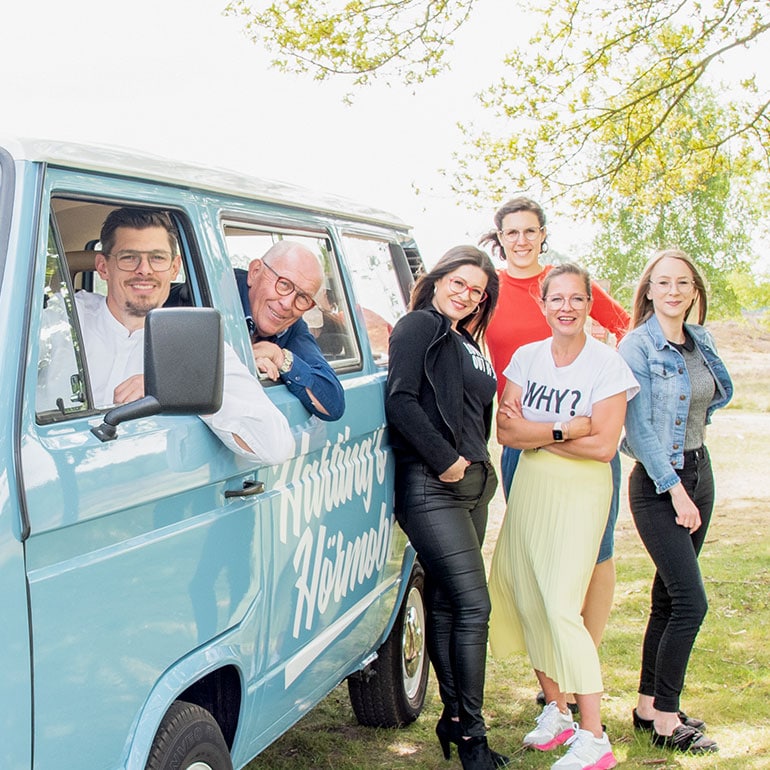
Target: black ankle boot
449,731
475,754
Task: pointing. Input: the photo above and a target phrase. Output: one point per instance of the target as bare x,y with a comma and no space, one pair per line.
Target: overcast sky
179,79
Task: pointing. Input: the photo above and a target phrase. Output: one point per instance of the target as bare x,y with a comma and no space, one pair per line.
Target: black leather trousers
446,524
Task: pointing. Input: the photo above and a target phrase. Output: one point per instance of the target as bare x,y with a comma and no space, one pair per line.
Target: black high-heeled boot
475,754
449,731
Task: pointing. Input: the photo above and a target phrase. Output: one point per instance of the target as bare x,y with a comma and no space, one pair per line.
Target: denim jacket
656,419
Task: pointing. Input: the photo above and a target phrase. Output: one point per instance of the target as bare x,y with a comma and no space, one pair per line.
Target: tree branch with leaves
402,39
616,110
604,86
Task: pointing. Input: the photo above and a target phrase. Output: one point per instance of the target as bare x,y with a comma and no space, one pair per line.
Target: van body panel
128,576
16,691
16,246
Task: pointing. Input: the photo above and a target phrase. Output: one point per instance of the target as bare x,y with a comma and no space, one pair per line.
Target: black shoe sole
685,739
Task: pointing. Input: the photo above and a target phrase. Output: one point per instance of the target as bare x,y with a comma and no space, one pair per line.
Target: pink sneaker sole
605,763
561,738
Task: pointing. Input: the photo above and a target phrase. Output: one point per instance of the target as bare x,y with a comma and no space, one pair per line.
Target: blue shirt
310,370
656,419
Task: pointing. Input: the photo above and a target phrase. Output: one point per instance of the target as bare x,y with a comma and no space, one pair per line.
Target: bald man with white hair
275,292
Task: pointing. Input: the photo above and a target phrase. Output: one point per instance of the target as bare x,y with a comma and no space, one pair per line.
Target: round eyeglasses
302,300
129,261
458,286
512,236
664,285
557,302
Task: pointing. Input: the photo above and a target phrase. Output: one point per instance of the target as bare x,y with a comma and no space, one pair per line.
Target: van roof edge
122,161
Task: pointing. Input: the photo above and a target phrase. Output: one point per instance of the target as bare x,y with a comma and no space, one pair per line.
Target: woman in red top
519,238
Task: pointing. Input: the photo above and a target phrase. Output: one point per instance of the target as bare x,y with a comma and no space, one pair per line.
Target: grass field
728,681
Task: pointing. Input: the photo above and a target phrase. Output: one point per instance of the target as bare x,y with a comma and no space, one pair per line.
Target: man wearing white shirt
138,261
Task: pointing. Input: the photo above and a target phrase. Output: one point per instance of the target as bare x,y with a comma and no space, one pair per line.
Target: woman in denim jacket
671,487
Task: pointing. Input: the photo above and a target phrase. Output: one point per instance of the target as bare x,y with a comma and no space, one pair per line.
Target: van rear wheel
390,692
189,738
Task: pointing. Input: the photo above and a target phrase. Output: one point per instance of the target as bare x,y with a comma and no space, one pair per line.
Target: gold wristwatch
288,361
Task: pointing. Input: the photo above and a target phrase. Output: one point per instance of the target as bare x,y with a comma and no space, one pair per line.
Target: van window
73,243
330,320
61,383
377,288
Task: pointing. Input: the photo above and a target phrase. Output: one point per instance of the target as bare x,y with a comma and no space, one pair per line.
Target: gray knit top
702,389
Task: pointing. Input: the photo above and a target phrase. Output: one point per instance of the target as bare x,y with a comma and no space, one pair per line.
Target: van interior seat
82,261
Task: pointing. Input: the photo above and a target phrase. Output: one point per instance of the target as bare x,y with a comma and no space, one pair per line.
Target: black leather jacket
424,399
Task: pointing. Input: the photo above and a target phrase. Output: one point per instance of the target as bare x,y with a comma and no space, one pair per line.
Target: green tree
403,39
607,92
753,292
709,223
668,198
607,74
610,110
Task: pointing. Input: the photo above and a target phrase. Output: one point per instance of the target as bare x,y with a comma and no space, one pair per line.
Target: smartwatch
558,434
288,361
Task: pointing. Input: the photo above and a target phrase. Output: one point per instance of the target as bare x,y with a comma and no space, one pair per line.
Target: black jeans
446,524
679,601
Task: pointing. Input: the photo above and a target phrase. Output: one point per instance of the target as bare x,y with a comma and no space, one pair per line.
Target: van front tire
390,692
189,738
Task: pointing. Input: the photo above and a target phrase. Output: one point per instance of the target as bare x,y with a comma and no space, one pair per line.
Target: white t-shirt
113,354
550,393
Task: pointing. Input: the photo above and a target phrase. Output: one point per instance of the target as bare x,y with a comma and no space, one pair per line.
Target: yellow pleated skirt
542,564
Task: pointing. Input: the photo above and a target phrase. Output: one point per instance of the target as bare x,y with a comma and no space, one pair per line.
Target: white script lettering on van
328,567
343,472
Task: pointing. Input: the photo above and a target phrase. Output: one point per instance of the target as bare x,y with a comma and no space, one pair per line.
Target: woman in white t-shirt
564,405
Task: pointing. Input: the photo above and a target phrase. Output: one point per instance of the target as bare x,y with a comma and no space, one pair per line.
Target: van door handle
249,488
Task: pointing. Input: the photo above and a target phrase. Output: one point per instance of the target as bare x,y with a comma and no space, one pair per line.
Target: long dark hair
642,308
514,205
422,292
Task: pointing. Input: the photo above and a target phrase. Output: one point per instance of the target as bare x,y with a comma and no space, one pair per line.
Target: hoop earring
475,312
544,247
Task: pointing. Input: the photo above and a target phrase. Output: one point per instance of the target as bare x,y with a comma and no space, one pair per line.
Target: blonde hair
642,307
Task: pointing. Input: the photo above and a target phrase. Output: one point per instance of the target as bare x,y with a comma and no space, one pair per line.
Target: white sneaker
587,752
553,729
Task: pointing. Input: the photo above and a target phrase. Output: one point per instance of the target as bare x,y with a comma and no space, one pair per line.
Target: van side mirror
183,367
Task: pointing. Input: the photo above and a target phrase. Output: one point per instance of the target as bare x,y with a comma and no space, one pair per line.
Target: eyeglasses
556,301
683,285
129,261
285,287
458,286
512,236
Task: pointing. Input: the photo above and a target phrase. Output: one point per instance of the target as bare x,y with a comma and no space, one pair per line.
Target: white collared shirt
113,354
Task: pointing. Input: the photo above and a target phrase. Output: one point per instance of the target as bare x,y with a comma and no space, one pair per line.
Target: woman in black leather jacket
439,408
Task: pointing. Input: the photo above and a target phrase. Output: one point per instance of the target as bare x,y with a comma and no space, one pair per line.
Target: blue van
167,603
